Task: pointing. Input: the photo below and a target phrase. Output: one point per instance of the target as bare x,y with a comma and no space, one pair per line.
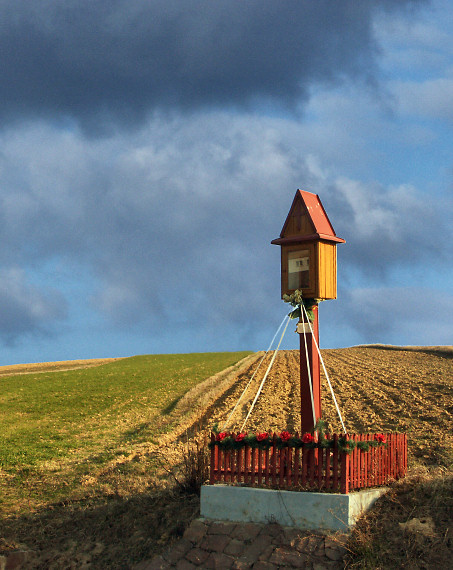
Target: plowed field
377,389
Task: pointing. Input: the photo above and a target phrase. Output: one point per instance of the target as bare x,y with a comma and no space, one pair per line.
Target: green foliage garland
348,446
296,300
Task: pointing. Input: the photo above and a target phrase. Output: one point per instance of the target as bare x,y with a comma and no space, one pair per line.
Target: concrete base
304,510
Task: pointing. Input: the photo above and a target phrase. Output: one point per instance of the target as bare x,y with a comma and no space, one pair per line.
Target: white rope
253,376
308,369
325,371
267,372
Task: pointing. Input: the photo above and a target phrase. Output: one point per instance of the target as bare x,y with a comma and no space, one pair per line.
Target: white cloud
404,315
419,46
27,308
429,99
182,214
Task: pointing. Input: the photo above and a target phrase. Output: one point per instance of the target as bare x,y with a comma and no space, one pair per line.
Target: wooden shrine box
309,255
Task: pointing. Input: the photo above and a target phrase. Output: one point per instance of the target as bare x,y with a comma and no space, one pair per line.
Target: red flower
307,438
221,436
240,436
380,437
262,436
285,435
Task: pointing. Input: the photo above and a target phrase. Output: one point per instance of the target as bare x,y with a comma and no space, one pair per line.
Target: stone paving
240,546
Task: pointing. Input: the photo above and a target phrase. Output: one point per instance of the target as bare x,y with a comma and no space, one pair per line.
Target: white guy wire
325,371
253,376
308,369
267,372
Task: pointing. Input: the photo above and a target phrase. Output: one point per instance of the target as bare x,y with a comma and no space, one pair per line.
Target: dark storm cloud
102,60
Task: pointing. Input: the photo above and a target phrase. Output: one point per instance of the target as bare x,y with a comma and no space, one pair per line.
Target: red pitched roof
317,215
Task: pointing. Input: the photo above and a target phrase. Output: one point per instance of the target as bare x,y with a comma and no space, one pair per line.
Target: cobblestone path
240,546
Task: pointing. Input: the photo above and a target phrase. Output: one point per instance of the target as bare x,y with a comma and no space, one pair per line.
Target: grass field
56,426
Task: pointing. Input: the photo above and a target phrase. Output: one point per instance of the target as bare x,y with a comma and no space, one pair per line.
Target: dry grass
109,531
58,366
194,409
126,511
446,350
409,528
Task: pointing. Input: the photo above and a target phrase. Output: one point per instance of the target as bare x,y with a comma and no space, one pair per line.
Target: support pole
306,409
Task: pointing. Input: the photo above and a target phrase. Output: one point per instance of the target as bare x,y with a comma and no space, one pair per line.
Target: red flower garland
262,436
263,440
285,436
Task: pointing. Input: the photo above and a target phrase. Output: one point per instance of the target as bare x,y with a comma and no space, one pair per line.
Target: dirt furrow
275,407
376,389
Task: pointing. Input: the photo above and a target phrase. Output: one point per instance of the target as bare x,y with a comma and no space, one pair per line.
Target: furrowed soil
378,389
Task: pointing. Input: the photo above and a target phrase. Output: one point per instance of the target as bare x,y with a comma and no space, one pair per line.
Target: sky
150,151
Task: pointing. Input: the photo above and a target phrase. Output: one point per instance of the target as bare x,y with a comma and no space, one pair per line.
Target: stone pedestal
304,510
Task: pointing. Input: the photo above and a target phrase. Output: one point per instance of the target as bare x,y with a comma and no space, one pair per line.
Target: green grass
85,417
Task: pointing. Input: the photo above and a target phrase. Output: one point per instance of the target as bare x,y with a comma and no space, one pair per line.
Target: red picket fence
320,469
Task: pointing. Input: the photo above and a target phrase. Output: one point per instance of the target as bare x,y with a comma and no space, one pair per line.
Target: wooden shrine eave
312,237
